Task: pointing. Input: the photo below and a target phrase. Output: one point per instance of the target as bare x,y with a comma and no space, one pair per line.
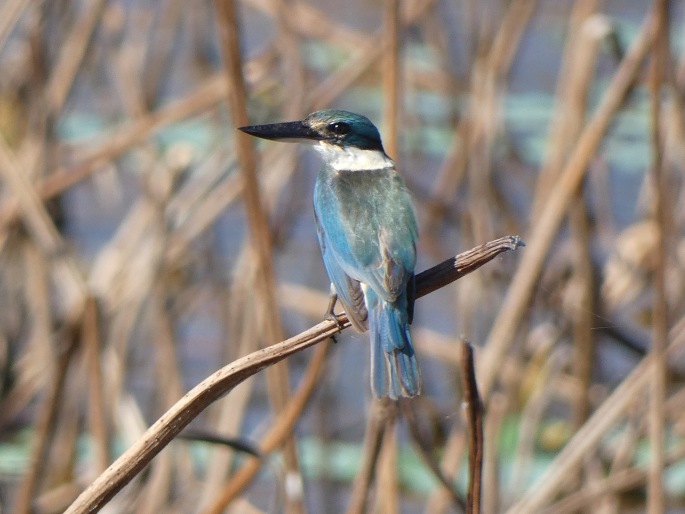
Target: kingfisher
367,231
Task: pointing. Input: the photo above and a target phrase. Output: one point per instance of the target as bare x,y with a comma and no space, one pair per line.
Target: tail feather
394,370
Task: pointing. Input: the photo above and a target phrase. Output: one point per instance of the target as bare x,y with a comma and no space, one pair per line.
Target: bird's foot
330,310
330,313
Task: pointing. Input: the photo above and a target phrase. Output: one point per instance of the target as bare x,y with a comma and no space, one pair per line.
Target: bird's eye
339,128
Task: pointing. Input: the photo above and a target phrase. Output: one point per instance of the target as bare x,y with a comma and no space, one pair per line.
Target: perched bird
367,232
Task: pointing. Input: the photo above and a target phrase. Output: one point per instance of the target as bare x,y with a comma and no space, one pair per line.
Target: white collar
353,159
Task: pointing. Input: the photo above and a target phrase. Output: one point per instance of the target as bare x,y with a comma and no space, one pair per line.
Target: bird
367,231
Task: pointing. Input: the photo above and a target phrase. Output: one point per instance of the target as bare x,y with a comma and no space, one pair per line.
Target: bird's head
346,141
332,127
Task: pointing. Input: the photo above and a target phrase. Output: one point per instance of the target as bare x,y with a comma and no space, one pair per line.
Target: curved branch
167,427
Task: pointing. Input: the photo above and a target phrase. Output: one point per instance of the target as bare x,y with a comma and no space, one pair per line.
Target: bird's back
369,223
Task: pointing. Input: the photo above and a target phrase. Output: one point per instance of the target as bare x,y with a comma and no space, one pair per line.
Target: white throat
353,159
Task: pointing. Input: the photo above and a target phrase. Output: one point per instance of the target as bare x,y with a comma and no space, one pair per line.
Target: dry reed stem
62,442
37,220
258,224
165,346
391,74
387,490
441,78
129,61
185,410
97,420
659,382
496,411
439,501
35,368
72,52
578,61
34,373
425,449
156,69
581,297
450,173
632,434
257,221
288,43
126,265
44,429
56,500
373,441
525,279
217,199
586,29
474,417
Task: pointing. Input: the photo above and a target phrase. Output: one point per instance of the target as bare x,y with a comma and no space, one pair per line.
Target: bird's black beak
292,131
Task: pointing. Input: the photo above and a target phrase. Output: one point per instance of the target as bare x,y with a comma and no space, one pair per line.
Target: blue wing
349,291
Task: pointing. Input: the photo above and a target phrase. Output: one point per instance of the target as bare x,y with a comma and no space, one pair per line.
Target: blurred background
128,268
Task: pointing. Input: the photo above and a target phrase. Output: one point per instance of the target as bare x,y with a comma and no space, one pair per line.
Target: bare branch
162,432
455,268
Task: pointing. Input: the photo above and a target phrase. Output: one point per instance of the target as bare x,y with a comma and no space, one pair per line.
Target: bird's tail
394,370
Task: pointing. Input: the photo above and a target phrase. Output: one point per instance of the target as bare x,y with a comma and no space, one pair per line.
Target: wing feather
349,291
